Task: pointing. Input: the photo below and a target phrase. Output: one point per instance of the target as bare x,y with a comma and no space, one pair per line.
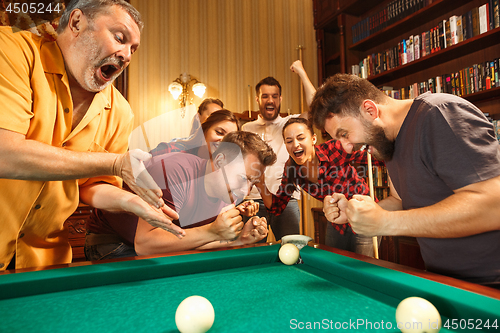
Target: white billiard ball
417,315
195,314
289,254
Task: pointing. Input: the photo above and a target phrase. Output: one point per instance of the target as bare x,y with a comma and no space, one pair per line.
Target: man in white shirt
269,127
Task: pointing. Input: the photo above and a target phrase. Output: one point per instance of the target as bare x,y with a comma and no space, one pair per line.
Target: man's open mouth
108,71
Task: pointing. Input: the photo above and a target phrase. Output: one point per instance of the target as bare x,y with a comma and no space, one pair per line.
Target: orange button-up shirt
36,101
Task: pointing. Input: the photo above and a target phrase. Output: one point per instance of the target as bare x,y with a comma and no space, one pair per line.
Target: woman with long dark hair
320,170
206,139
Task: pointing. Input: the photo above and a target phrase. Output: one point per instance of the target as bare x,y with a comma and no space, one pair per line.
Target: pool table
250,290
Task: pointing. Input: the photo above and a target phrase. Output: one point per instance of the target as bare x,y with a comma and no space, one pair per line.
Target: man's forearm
159,241
33,160
460,215
391,203
106,197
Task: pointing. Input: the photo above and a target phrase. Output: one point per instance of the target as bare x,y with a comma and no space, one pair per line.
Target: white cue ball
417,315
195,314
289,254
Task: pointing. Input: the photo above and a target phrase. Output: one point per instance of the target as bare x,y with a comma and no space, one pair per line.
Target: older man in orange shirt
64,132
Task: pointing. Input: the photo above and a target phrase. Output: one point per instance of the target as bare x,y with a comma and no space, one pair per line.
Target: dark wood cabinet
76,225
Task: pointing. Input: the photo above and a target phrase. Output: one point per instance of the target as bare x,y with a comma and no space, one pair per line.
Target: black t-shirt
446,143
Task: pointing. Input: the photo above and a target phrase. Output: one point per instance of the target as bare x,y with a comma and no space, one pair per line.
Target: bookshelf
338,51
333,24
406,24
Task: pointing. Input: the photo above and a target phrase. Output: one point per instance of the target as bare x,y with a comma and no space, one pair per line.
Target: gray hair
91,8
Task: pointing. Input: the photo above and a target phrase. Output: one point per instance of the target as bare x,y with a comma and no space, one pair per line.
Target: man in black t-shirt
443,160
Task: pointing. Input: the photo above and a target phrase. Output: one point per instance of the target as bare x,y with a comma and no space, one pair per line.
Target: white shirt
271,132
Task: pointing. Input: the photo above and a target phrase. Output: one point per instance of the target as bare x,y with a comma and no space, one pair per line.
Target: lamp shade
175,89
199,89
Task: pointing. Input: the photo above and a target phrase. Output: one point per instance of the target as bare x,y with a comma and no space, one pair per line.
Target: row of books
381,193
456,29
393,12
445,34
478,77
380,176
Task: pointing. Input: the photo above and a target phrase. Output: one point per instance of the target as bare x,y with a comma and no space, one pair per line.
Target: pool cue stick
303,201
372,195
145,137
227,186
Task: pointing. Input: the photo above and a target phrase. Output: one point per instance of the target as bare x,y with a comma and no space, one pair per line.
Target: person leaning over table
64,131
108,235
443,160
320,170
204,193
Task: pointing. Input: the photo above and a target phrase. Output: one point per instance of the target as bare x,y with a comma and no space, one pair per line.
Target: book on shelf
497,65
494,75
447,42
433,40
427,42
439,84
453,30
475,75
440,35
480,74
496,12
475,21
416,46
444,45
447,83
491,13
410,49
460,29
487,75
462,82
467,25
484,19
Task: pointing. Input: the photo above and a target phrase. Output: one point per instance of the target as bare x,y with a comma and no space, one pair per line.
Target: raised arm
275,204
309,88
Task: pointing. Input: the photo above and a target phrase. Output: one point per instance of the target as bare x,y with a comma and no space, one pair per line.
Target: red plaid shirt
336,175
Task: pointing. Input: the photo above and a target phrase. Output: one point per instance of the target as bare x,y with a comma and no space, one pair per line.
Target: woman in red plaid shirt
320,170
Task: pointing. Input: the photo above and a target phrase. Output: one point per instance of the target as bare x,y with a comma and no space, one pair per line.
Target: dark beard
377,139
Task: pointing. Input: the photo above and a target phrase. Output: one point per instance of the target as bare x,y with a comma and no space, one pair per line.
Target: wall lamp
180,88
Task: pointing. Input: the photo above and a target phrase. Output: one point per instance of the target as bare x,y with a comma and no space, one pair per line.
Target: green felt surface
241,298
249,289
